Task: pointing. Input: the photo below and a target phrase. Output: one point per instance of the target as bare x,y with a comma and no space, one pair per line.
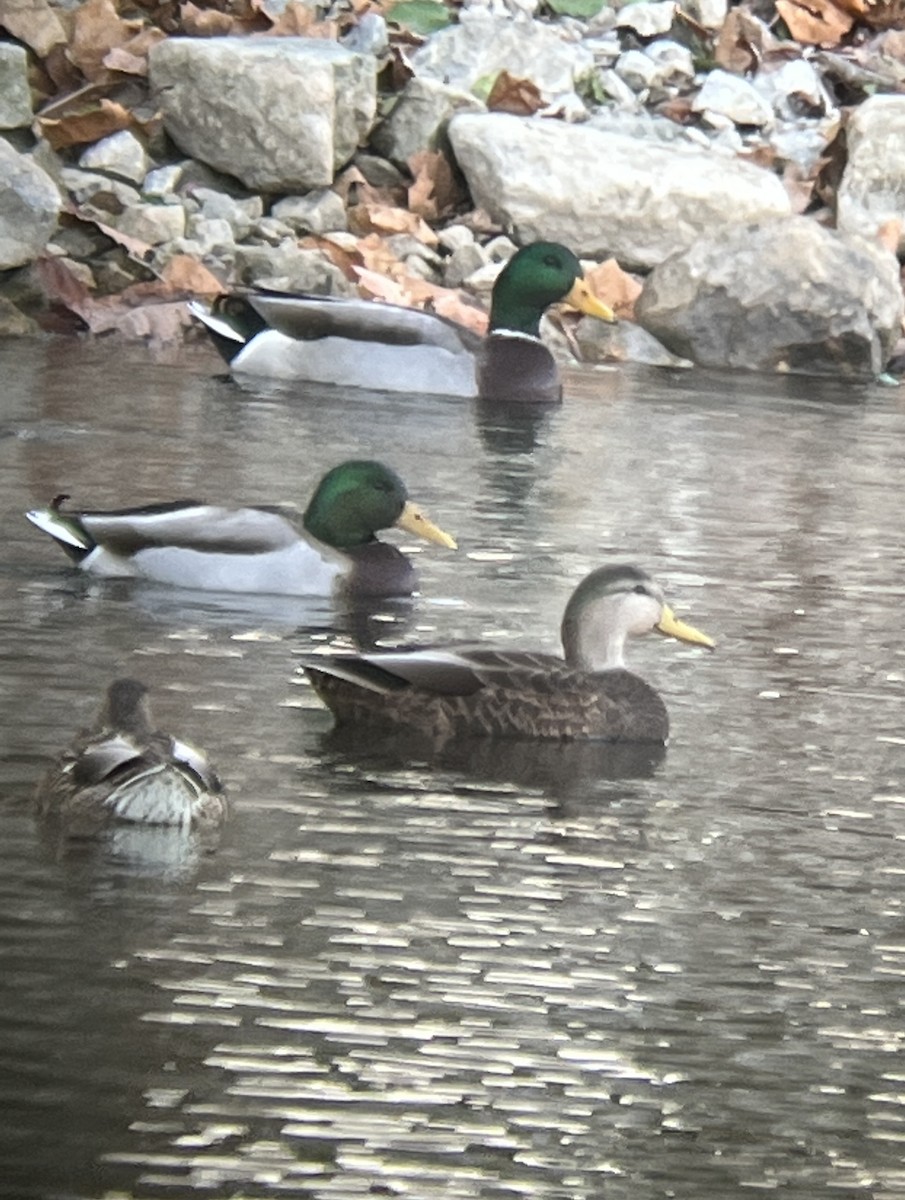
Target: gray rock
482,45
782,295
152,223
569,183
380,172
647,20
14,322
288,268
15,94
240,214
454,237
270,231
162,181
675,62
872,190
637,70
320,211
709,13
794,89
106,195
462,263
29,208
419,117
281,114
730,96
210,234
369,36
121,155
623,342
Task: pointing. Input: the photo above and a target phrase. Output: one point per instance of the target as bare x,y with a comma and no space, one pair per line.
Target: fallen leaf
385,219
815,22
132,58
62,286
97,28
33,22
375,286
889,234
346,259
205,22
741,43
514,95
799,187
377,256
615,287
161,323
352,188
185,274
435,191
422,17
89,125
299,20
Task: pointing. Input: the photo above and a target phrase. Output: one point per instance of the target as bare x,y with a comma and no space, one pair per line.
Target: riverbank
732,178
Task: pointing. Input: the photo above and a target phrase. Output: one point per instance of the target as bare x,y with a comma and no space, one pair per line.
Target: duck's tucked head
614,603
126,708
534,278
357,499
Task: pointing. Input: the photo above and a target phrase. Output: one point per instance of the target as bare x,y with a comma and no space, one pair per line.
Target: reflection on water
467,971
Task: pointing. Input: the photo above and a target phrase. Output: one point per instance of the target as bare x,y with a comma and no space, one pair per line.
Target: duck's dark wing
310,317
488,693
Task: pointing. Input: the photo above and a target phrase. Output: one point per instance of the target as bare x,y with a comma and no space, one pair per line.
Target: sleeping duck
123,769
195,545
388,348
453,693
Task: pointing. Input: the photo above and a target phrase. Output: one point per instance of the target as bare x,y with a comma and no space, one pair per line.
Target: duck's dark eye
639,589
552,261
383,486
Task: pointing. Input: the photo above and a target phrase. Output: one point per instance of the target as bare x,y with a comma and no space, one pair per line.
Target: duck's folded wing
442,672
311,317
207,528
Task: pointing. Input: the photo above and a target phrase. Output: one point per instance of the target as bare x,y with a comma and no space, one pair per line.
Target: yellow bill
582,298
670,624
413,520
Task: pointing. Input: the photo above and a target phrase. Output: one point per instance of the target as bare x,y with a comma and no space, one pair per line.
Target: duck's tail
65,528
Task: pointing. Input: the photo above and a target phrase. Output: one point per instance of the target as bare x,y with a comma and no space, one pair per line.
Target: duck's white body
350,343
419,369
200,546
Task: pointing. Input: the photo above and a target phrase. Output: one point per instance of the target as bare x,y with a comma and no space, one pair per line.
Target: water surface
553,973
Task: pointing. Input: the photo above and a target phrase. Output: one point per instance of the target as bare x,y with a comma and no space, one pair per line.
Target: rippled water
558,974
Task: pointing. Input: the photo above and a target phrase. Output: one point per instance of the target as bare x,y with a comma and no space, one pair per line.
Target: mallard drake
385,347
191,544
123,769
453,693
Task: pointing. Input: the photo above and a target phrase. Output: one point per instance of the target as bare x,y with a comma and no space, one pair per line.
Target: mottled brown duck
123,769
589,693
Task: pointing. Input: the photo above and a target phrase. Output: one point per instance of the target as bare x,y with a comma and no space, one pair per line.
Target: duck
449,693
123,769
191,544
354,343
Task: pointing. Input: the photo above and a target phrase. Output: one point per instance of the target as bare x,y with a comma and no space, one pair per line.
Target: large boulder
480,46
280,114
783,295
29,208
872,190
15,94
604,193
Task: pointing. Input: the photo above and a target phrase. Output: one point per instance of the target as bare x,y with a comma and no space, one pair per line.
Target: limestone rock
605,194
781,295
15,96
647,19
730,96
121,154
280,114
482,45
29,208
419,118
152,223
872,190
321,211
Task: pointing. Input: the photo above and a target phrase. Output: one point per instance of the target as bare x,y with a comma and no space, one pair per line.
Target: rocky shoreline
733,178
